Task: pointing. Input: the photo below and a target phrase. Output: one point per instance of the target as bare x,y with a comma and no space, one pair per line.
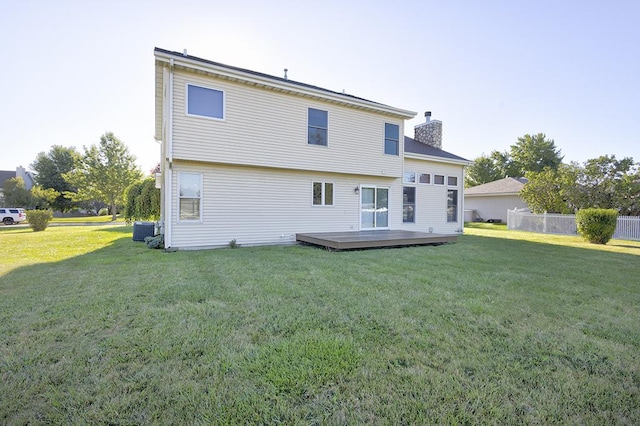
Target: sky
491,71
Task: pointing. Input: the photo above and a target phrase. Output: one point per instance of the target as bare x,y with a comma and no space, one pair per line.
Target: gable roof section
6,175
424,151
506,186
269,82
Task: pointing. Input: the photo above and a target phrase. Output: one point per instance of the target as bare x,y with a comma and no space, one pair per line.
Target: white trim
415,204
415,156
323,192
458,203
375,187
415,178
202,86
384,139
315,127
201,198
272,83
427,183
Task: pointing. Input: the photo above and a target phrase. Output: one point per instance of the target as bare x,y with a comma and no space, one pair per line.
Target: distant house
258,159
492,200
20,172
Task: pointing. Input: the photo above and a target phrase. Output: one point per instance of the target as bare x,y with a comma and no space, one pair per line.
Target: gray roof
415,147
6,175
508,185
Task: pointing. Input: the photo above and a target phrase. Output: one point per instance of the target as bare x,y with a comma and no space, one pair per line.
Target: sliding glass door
374,207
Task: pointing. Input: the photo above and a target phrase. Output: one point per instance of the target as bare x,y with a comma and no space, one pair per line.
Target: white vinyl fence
628,227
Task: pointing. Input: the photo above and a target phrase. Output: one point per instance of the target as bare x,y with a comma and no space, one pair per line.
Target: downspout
464,169
168,175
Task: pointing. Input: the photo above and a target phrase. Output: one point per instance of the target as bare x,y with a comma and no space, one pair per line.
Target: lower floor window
452,205
409,204
190,196
322,193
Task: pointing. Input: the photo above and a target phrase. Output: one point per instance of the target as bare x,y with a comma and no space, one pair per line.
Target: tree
15,194
50,167
43,198
486,169
534,154
104,172
142,201
551,190
608,183
529,154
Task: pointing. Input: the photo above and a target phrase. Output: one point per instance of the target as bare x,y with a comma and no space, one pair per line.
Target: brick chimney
429,132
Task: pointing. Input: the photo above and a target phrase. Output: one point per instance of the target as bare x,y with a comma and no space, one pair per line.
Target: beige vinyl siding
160,84
256,205
493,206
431,200
266,128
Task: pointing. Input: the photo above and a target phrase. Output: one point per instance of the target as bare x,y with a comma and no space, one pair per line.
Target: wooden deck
372,239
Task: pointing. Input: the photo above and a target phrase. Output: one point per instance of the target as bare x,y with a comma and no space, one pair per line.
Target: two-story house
258,159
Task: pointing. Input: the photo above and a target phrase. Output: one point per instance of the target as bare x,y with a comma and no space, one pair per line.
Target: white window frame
407,181
199,220
414,204
457,206
444,179
425,174
203,86
316,127
323,194
397,141
454,185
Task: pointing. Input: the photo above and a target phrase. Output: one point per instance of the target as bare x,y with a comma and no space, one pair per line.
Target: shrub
103,211
155,242
597,225
39,219
142,201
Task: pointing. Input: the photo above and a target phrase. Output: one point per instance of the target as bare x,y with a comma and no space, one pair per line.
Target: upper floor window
322,193
205,102
438,179
190,196
318,126
409,177
425,178
452,180
391,139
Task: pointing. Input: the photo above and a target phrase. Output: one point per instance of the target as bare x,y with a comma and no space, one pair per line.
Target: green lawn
500,328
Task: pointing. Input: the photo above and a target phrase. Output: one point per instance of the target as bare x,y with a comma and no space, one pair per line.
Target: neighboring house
257,159
21,172
492,200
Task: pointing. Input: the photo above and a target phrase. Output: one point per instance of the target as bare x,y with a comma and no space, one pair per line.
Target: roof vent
184,52
285,74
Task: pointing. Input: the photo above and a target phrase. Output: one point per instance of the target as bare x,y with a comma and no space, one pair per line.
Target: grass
500,327
88,219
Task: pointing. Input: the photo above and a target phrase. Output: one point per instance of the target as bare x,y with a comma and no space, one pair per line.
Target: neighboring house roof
6,175
506,186
266,81
411,146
